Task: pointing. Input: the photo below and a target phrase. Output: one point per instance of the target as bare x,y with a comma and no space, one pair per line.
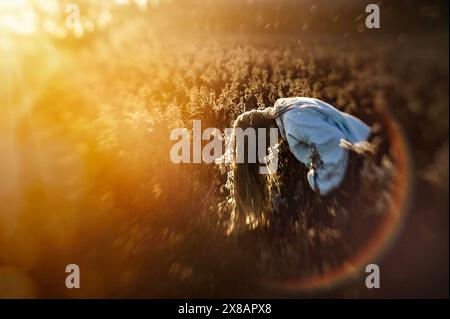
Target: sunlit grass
85,112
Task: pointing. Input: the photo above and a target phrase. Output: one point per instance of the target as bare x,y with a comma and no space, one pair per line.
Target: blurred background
87,101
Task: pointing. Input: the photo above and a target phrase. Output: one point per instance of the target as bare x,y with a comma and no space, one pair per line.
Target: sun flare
122,129
17,17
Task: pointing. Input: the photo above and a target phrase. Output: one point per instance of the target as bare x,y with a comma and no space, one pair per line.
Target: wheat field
86,177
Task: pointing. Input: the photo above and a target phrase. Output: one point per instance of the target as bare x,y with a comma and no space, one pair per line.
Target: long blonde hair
250,193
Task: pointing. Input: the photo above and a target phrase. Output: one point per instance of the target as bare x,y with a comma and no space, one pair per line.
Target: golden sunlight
91,92
59,18
17,16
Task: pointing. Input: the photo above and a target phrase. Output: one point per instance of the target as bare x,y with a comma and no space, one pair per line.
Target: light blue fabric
307,122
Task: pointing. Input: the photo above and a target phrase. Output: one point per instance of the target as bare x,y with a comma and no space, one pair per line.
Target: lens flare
384,235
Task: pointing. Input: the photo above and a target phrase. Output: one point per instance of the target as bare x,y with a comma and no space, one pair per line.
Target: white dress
312,126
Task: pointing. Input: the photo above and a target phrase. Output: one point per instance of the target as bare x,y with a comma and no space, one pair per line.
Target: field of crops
86,176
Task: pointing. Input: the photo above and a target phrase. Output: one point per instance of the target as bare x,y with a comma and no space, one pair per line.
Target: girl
313,157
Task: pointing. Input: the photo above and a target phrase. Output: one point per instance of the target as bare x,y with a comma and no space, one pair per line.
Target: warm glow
17,16
25,17
91,89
